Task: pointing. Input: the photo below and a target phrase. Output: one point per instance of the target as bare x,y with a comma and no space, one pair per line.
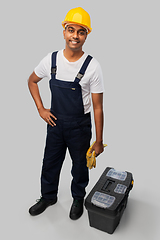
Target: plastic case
108,199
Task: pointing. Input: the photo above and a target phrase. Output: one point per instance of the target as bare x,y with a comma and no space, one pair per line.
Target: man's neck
72,56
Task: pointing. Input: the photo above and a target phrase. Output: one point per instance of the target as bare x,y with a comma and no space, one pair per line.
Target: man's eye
81,33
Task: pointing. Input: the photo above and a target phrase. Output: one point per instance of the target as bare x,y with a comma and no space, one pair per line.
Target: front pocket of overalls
67,100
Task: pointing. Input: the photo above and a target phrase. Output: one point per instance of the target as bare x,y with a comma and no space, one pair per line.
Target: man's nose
75,34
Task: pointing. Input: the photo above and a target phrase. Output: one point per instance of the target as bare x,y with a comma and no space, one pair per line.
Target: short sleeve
96,82
43,68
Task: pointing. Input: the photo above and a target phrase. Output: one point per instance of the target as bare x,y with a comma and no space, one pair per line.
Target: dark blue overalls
72,131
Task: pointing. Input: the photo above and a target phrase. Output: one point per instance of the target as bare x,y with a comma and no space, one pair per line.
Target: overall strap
53,63
83,69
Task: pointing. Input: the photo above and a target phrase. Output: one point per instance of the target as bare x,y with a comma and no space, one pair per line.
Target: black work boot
76,209
41,206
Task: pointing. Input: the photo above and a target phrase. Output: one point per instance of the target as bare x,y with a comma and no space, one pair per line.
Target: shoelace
76,203
39,200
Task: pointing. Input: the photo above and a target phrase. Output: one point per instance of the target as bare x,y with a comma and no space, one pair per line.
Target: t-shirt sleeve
96,83
43,68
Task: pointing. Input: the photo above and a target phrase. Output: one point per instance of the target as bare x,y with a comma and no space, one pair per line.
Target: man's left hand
98,147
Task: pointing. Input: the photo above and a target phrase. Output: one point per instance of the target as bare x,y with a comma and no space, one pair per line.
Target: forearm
34,90
47,116
98,117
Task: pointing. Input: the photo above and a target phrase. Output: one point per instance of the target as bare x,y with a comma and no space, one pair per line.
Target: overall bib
72,131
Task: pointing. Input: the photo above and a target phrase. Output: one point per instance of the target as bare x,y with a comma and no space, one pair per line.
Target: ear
64,33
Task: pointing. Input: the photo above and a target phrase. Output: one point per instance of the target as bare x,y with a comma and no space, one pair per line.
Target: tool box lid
110,192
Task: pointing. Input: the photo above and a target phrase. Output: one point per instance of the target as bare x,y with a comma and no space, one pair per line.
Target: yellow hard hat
78,16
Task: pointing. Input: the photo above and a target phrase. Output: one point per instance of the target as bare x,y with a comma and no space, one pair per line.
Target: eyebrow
81,29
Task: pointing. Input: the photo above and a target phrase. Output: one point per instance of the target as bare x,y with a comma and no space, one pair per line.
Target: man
74,75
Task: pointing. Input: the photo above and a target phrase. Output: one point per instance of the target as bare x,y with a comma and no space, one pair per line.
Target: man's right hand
47,116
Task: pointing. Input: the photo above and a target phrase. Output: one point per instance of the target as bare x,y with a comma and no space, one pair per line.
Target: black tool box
108,199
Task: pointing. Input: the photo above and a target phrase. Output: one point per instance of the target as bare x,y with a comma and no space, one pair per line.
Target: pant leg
54,155
78,144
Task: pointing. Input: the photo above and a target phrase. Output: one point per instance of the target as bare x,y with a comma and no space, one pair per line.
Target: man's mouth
74,42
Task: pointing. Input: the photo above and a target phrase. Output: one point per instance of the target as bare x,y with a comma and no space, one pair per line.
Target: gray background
125,40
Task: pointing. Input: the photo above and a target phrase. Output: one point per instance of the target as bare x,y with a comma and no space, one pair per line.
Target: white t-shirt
92,81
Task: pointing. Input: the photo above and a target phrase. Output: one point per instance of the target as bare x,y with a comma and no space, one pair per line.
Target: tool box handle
108,185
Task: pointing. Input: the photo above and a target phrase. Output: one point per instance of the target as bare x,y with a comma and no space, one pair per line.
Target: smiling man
75,37
75,80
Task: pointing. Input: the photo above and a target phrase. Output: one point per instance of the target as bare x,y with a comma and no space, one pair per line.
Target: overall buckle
53,70
79,76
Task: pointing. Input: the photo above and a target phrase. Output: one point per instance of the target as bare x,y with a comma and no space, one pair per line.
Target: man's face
75,36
